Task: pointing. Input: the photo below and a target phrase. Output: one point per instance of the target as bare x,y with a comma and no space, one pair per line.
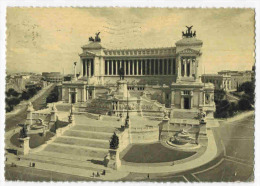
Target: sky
50,39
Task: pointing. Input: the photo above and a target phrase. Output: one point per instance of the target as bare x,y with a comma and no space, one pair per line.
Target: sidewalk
83,172
208,156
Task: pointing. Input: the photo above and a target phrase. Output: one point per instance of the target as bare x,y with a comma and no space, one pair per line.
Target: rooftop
189,41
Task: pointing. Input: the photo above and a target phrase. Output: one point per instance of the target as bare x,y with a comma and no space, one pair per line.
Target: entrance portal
73,98
186,103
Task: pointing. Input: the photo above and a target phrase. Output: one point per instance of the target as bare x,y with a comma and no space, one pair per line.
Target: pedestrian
104,172
172,163
98,175
148,176
93,174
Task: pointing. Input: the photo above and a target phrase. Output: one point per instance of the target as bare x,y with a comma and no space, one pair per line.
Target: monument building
170,75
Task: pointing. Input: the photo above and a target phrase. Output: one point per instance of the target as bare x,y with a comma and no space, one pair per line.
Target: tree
222,109
32,92
248,87
114,142
233,108
25,95
12,92
219,95
244,104
53,96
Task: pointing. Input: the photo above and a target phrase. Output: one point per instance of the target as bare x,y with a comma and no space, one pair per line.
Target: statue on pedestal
121,73
189,33
24,132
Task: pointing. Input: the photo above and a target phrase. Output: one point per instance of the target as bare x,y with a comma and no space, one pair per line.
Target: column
167,66
76,95
112,65
84,94
171,66
124,67
87,68
137,67
87,93
159,66
163,63
142,62
182,102
185,68
116,62
108,66
129,67
83,68
190,68
90,67
146,67
150,67
154,69
179,67
191,102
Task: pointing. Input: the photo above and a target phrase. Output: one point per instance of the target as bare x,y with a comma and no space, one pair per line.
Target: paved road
20,117
235,160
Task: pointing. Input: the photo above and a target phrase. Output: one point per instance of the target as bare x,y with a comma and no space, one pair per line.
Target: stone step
94,128
88,134
67,156
77,150
91,164
83,141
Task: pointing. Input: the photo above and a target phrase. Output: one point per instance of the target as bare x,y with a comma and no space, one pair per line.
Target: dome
189,41
93,45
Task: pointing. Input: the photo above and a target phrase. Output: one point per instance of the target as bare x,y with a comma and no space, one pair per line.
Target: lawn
154,153
35,139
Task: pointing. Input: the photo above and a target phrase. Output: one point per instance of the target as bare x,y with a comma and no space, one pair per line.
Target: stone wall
145,135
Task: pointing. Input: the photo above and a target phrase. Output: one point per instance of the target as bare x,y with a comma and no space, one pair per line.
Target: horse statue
91,39
97,38
188,32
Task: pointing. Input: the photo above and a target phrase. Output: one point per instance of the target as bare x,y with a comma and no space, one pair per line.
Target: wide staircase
83,146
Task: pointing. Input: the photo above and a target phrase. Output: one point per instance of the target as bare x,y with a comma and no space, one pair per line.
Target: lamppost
75,74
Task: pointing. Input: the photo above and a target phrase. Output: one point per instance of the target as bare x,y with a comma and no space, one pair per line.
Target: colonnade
141,67
88,67
188,67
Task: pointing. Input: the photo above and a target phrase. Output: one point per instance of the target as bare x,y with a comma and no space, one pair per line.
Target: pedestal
122,88
112,160
25,148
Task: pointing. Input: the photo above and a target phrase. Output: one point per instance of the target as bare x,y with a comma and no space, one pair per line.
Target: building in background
219,81
237,77
52,77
